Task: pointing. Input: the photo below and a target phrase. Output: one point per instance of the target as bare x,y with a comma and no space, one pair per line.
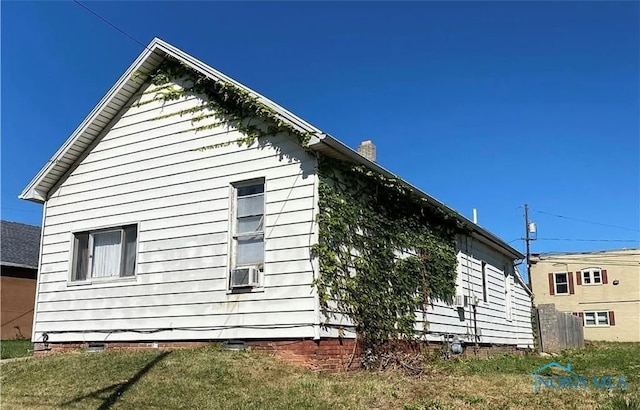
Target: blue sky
483,105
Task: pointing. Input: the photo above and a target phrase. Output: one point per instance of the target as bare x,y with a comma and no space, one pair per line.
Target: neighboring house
148,237
603,288
18,272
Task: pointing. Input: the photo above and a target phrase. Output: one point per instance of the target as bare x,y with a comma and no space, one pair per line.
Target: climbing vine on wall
222,102
384,252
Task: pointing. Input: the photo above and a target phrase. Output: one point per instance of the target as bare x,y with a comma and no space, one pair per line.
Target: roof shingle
20,244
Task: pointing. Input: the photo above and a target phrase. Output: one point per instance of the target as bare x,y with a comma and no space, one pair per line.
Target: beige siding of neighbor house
623,298
150,172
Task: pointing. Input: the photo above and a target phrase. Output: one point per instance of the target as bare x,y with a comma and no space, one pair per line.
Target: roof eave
18,265
34,190
31,192
348,152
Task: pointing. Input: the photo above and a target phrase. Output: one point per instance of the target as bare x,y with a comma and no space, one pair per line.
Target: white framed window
247,238
508,296
561,283
104,253
592,276
596,318
485,291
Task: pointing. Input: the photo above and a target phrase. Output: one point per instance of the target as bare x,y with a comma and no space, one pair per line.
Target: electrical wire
588,222
588,240
21,210
111,24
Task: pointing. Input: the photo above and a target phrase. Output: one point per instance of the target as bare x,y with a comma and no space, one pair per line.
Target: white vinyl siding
150,171
491,322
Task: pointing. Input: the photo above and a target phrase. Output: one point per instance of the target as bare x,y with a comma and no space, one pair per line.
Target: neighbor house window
600,318
105,253
592,276
561,282
248,233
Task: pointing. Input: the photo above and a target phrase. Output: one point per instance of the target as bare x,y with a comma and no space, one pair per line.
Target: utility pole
527,240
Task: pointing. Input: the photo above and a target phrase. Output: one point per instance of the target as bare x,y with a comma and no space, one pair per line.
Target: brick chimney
367,150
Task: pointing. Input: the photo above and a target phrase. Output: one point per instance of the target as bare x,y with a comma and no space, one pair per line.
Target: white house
146,237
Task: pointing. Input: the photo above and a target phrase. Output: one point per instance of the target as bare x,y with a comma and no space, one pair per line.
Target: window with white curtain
248,225
105,253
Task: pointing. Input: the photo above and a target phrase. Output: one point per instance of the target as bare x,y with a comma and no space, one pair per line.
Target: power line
588,240
110,23
588,222
21,210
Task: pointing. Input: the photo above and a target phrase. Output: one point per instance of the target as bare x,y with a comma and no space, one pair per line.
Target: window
601,318
485,293
508,286
105,253
248,233
592,276
561,283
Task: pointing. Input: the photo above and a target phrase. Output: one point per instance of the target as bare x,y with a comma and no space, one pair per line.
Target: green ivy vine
225,102
384,252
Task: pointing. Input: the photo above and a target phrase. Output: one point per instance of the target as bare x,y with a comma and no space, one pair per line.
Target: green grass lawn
15,348
208,378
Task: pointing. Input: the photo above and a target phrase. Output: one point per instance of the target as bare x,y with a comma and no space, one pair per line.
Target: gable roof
103,114
20,245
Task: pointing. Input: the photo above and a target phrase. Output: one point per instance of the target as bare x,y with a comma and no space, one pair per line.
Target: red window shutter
604,277
570,278
612,318
578,278
581,316
551,288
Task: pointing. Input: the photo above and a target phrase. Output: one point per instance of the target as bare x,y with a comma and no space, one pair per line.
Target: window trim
233,237
101,229
555,283
595,315
485,283
591,276
508,296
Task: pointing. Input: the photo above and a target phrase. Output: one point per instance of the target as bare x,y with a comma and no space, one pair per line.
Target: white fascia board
29,192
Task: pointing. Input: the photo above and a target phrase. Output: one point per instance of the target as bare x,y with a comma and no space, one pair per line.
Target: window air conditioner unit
244,277
460,301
